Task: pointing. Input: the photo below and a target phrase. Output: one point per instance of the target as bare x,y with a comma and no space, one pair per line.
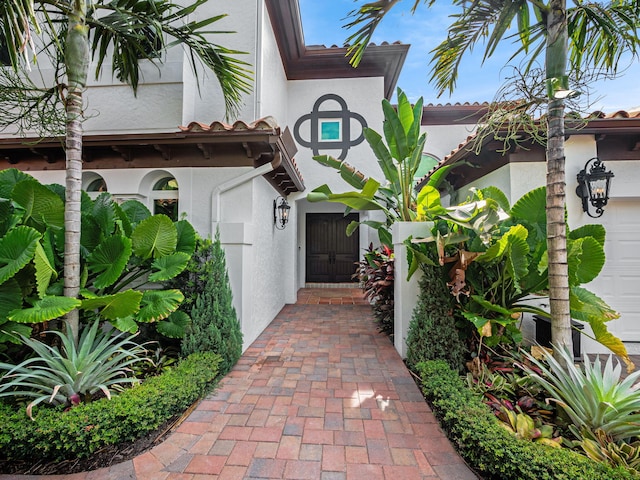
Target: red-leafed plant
375,274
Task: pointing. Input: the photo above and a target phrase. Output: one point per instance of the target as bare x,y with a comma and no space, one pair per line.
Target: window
93,184
427,163
165,198
330,130
97,185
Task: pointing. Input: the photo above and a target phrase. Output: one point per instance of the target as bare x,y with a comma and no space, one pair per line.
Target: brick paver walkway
319,395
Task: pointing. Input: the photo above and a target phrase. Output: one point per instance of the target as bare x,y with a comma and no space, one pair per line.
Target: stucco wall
362,96
271,85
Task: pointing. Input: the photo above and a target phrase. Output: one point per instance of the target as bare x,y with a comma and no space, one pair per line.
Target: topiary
214,323
432,331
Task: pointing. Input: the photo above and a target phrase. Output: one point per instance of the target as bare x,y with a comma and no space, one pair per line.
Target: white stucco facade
266,265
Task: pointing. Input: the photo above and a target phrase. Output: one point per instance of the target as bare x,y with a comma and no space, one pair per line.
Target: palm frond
599,35
136,30
483,20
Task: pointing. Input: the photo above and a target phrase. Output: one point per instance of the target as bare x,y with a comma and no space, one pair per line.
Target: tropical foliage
586,36
399,156
56,434
490,448
375,275
124,32
123,248
70,374
497,265
594,396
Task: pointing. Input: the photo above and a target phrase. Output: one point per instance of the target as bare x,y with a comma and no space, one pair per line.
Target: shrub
375,274
214,324
432,331
54,434
491,449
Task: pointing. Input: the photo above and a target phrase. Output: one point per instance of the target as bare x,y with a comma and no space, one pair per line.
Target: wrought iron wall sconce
593,186
280,213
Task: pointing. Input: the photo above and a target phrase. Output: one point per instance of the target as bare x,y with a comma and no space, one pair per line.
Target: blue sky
477,82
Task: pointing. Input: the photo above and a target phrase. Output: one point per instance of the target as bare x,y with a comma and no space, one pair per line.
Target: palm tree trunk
77,65
556,62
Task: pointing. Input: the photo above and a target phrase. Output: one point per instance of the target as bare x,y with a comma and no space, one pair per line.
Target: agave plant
594,397
68,375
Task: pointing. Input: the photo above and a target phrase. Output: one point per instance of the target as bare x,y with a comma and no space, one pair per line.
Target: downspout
237,181
257,110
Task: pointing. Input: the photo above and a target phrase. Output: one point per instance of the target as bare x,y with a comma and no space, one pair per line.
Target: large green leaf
10,298
186,237
45,271
46,309
383,155
11,331
587,306
42,207
90,235
394,132
104,213
125,324
350,174
109,260
169,266
596,231
17,248
586,258
123,220
498,195
175,326
135,210
118,305
531,208
155,237
158,304
9,178
355,200
429,203
609,340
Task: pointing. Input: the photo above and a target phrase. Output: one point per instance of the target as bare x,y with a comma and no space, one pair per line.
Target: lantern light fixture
280,213
593,186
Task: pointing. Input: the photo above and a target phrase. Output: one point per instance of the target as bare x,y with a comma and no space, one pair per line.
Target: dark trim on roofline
305,62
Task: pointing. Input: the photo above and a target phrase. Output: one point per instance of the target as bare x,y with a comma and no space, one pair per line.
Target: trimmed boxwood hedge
55,434
491,449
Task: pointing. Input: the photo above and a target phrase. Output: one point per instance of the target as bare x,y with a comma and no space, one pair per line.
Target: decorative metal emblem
330,129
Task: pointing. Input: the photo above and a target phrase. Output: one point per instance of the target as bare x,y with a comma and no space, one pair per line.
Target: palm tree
588,36
127,30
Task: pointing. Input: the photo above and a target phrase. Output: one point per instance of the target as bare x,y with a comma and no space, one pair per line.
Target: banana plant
123,249
399,155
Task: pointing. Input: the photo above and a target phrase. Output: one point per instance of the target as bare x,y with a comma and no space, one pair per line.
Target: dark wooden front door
330,253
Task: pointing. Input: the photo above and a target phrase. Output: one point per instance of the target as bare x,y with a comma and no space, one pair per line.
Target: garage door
619,282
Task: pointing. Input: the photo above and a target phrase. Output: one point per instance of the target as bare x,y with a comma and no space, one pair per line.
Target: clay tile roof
458,104
596,115
262,124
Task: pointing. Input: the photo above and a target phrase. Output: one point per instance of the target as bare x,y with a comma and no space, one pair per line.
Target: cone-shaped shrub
432,331
214,323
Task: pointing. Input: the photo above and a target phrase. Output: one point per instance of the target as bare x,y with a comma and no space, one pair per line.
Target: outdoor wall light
280,213
593,186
